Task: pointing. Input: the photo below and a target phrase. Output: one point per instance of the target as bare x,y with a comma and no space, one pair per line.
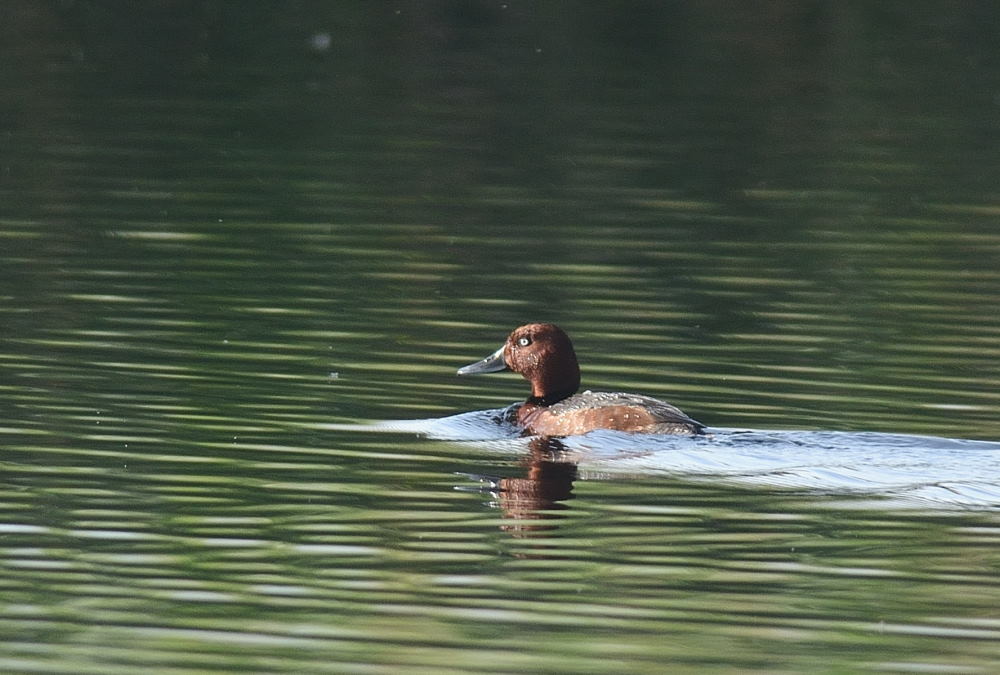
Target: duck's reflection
531,504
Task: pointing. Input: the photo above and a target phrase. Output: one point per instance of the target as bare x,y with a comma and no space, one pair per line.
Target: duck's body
619,411
544,355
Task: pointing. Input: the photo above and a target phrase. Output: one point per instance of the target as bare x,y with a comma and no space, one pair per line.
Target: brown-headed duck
544,355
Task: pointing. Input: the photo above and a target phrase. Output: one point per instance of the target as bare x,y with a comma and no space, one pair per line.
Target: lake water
244,247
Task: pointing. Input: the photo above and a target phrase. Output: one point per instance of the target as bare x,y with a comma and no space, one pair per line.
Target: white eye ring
524,342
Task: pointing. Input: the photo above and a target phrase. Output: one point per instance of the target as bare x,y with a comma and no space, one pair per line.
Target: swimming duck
543,354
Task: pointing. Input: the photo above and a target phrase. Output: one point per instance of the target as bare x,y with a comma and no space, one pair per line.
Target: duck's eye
524,342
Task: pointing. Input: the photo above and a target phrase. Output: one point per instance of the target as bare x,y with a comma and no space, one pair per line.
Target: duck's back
618,411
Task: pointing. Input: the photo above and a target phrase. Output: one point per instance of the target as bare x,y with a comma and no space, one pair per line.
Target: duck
543,354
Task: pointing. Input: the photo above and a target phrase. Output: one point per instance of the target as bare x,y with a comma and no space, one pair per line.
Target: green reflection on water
218,236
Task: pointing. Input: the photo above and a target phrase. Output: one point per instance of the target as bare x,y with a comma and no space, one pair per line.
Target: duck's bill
491,364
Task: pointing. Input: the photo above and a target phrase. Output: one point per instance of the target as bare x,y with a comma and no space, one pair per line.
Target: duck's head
543,354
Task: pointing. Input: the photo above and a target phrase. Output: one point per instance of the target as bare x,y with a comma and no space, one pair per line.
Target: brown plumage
544,355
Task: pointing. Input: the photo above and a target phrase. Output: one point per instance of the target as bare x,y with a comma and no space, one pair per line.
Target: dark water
236,238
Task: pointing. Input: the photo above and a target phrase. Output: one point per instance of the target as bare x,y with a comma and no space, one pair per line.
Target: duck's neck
544,401
541,395
559,380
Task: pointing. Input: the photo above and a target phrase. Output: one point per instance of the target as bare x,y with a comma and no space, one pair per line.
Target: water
234,243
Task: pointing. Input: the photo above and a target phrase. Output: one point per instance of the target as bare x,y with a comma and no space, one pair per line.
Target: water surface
233,240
